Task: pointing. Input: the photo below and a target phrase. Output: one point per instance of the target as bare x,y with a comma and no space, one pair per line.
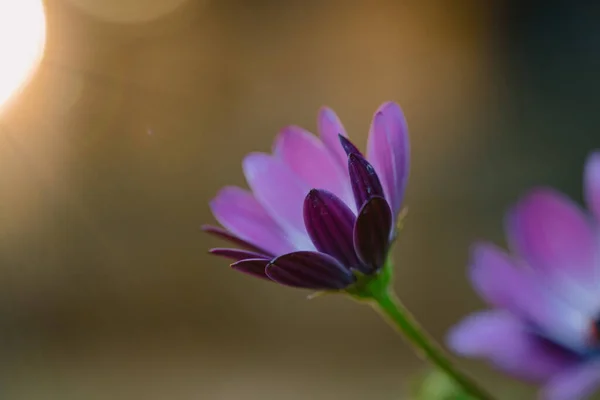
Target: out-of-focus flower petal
253,266
226,235
577,383
236,254
553,234
521,291
308,158
329,223
330,128
364,180
510,345
372,233
281,194
592,184
238,211
310,270
388,150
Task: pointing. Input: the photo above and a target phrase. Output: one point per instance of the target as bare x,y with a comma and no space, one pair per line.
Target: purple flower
318,211
544,325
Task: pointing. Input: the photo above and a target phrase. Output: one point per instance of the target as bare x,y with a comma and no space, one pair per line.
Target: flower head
318,212
544,324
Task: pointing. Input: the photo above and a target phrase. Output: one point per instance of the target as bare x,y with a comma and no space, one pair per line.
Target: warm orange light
22,39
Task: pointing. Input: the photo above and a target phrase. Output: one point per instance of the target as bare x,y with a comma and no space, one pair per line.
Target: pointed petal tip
253,266
389,106
348,146
236,254
207,228
364,180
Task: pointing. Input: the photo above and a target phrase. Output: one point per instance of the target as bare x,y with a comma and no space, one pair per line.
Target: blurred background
140,110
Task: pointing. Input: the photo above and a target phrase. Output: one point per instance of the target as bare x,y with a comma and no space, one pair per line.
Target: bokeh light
22,39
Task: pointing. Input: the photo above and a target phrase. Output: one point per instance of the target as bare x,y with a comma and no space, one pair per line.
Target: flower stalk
377,292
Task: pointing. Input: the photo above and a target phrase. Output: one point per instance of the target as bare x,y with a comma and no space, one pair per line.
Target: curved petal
238,211
519,290
236,254
592,184
388,150
226,235
553,235
577,383
253,266
372,233
502,284
281,194
309,270
364,180
330,128
308,158
329,223
505,341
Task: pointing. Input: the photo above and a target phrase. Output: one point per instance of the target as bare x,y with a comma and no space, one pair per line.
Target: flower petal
253,266
505,341
364,180
308,158
592,184
329,223
236,254
519,290
372,233
310,270
503,284
281,193
388,150
238,211
553,234
330,127
577,383
226,235
349,147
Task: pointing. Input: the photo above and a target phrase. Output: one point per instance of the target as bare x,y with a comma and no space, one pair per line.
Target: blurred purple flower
545,322
318,210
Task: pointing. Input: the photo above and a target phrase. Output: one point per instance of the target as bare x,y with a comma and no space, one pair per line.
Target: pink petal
230,237
577,383
281,193
592,184
501,283
388,150
238,211
330,127
506,342
308,158
553,235
520,291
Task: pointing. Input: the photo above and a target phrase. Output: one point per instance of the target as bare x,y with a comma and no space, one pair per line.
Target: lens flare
22,40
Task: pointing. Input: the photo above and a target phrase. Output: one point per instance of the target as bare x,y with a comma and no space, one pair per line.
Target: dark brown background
142,109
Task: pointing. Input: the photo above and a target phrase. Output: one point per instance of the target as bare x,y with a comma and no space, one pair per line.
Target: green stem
386,302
